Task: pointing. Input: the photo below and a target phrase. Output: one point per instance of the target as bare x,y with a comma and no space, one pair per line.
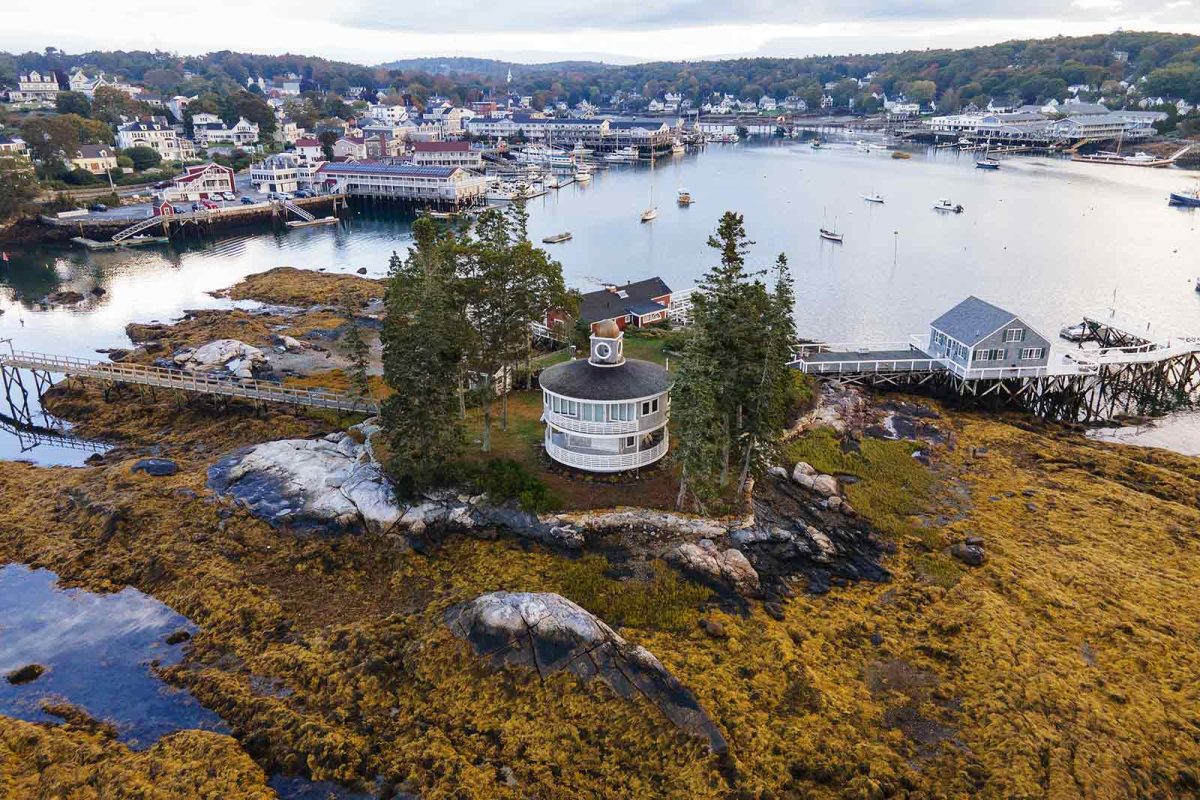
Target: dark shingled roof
604,304
973,320
582,380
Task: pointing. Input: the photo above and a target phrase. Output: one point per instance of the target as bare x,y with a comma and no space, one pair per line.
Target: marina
895,255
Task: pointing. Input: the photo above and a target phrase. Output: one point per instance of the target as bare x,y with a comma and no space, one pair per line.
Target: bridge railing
200,382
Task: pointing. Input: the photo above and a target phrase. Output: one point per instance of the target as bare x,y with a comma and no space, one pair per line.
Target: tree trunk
485,405
462,396
504,399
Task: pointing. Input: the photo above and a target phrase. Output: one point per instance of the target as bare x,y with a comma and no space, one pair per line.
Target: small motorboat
1187,199
649,214
987,163
873,198
684,198
831,236
1075,333
816,144
946,205
677,147
556,238
901,154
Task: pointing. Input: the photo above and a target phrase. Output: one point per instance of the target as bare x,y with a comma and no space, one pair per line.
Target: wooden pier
1131,369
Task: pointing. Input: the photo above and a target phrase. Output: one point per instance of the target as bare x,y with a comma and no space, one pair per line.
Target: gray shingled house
976,335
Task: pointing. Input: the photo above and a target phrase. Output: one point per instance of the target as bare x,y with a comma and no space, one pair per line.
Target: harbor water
1045,237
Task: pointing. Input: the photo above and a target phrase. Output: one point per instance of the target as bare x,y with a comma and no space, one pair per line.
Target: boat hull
1186,200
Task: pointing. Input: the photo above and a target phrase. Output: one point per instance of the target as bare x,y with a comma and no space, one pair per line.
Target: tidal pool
97,651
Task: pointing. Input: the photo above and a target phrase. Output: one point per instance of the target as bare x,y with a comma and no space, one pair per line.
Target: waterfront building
447,154
976,335
388,179
157,135
639,304
95,158
284,172
35,87
200,182
606,413
1101,126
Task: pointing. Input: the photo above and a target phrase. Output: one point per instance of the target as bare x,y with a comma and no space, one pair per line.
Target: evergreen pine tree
358,350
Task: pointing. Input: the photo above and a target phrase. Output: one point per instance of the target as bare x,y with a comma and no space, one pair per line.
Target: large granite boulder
549,633
706,560
223,355
329,481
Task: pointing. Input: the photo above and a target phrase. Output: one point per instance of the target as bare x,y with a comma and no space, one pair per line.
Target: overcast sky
370,31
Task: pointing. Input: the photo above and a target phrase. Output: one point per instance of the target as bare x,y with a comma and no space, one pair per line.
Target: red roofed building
446,154
200,183
310,149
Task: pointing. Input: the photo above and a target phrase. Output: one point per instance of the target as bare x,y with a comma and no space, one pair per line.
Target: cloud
554,16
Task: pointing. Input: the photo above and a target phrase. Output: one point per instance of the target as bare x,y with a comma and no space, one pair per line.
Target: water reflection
97,650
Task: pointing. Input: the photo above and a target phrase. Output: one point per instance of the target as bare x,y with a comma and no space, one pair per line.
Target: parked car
247,201
304,193
177,209
209,204
98,207
229,196
196,206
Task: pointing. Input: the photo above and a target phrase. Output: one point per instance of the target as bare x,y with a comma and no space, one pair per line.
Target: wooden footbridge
1126,368
42,365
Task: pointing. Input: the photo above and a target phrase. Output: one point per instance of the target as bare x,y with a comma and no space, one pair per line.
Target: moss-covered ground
1063,667
289,286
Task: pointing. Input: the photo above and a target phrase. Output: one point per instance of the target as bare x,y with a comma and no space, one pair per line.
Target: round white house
608,413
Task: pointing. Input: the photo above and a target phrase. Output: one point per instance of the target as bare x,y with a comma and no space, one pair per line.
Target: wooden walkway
191,382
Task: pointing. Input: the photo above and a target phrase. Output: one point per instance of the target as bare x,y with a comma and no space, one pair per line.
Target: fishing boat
901,154
831,236
556,238
684,198
1186,198
946,205
873,198
677,148
583,174
623,156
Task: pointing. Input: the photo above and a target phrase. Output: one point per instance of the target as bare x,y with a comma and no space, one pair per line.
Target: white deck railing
614,462
643,424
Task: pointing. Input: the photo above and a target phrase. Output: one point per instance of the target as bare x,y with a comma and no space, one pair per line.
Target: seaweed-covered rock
315,481
158,467
549,633
238,358
25,674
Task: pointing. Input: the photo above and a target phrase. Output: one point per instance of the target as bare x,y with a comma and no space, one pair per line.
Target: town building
387,179
349,148
607,413
310,149
978,339
97,159
13,146
287,131
639,304
157,135
388,113
200,182
208,129
284,172
447,154
35,87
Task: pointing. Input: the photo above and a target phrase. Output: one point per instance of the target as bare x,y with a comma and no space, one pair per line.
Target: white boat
558,237
623,156
649,214
579,151
946,205
831,236
582,175
862,146
677,147
873,198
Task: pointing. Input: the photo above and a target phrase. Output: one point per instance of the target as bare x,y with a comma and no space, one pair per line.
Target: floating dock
92,244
